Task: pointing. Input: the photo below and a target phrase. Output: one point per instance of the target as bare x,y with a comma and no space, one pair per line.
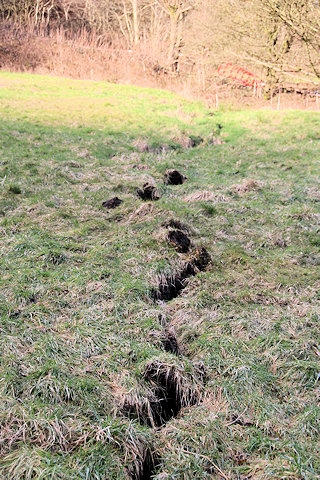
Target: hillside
169,334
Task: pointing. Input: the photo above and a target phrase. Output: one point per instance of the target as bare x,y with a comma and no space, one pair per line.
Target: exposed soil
148,192
112,203
173,177
179,240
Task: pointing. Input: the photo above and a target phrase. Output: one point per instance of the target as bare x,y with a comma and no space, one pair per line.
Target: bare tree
177,11
301,20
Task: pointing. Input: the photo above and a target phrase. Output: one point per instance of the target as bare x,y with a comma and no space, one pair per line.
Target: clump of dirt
112,203
170,285
148,192
173,177
179,240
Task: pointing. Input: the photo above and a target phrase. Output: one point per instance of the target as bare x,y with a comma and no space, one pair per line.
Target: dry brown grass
205,195
82,57
248,185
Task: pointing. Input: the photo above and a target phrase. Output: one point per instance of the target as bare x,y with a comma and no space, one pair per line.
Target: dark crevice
156,411
170,386
145,467
170,286
141,409
173,390
169,404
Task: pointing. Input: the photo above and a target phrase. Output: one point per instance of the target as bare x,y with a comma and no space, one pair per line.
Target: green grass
78,329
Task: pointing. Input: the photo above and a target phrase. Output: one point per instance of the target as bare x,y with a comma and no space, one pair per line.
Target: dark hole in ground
148,192
112,203
169,403
201,259
170,286
144,468
156,411
170,342
31,298
179,240
173,177
172,388
173,391
196,140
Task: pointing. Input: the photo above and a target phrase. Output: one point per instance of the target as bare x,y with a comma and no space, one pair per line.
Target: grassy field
98,380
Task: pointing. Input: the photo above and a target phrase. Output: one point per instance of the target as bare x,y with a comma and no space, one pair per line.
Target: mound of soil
112,203
148,192
173,177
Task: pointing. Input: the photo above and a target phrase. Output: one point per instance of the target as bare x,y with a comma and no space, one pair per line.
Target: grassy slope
78,327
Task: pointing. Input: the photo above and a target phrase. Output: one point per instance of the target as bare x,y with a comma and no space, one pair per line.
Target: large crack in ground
172,387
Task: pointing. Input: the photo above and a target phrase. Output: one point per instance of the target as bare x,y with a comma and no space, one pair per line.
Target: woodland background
200,47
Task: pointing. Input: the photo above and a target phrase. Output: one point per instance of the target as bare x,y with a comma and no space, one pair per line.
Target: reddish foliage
239,75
